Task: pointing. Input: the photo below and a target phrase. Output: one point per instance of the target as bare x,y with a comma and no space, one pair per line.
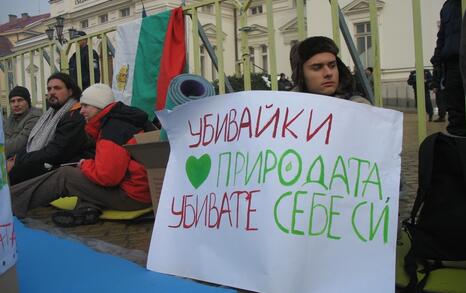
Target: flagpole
144,14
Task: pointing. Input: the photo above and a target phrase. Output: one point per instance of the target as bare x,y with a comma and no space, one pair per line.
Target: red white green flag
149,53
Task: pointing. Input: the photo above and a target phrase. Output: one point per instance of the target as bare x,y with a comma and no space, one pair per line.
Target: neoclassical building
396,38
394,17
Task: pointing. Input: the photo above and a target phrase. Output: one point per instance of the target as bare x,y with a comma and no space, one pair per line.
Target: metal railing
32,66
218,58
39,59
21,67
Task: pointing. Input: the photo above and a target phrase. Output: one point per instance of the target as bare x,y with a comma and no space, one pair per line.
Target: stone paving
409,160
131,240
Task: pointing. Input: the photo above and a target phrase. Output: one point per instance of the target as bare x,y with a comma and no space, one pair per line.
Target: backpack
437,226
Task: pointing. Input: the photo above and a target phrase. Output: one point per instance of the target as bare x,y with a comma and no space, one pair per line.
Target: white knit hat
98,95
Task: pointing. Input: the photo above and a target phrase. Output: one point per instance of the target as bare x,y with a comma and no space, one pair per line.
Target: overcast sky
33,7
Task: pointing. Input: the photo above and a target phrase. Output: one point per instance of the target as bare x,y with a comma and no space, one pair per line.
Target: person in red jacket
112,179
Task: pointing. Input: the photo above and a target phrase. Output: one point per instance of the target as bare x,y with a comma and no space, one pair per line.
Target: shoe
77,217
430,118
439,119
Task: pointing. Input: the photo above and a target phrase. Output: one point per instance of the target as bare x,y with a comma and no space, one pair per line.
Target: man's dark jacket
69,144
449,35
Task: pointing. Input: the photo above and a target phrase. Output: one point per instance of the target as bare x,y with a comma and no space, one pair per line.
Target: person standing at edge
73,66
447,54
58,136
22,119
427,85
438,87
112,179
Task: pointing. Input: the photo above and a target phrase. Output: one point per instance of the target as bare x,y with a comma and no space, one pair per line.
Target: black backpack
437,226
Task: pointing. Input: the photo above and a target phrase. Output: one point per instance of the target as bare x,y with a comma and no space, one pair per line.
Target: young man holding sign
320,71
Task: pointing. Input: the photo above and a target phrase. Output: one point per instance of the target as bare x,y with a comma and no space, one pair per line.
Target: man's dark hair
314,45
370,69
294,62
69,83
78,34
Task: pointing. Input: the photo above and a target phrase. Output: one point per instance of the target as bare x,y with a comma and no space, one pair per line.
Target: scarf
45,128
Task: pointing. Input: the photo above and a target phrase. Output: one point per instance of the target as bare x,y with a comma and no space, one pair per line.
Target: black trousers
428,102
23,172
440,101
454,99
66,181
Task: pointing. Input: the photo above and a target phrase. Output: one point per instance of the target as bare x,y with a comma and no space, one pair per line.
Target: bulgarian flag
149,53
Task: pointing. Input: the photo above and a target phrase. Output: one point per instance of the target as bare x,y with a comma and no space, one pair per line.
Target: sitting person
112,179
22,119
320,71
58,136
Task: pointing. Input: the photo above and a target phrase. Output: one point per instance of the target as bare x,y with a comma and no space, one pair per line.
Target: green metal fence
29,68
32,66
242,7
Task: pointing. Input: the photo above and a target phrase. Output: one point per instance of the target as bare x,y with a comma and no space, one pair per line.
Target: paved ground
409,159
131,240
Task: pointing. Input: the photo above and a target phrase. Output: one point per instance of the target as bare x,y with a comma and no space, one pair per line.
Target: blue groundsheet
47,263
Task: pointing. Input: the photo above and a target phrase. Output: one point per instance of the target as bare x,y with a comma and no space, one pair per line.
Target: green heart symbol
198,169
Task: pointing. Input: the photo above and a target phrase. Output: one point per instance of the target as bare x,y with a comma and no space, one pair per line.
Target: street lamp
49,32
58,28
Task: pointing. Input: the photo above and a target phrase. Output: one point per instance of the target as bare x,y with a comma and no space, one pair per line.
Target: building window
207,9
265,64
84,23
214,71
256,10
202,56
124,12
252,60
103,18
11,81
364,43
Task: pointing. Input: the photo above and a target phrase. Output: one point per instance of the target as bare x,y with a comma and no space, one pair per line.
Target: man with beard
58,136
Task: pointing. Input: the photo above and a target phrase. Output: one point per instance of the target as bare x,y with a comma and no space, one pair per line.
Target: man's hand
10,163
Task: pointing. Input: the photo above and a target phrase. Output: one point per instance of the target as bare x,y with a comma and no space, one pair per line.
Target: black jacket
69,139
73,67
427,79
449,35
69,144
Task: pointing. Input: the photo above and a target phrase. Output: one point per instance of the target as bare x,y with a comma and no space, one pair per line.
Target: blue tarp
47,263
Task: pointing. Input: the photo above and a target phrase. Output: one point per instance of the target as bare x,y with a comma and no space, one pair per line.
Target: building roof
22,22
5,46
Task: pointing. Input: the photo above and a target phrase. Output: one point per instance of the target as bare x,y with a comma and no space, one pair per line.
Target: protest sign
280,192
7,234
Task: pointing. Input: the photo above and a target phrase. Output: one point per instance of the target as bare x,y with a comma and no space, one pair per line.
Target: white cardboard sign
280,192
7,234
